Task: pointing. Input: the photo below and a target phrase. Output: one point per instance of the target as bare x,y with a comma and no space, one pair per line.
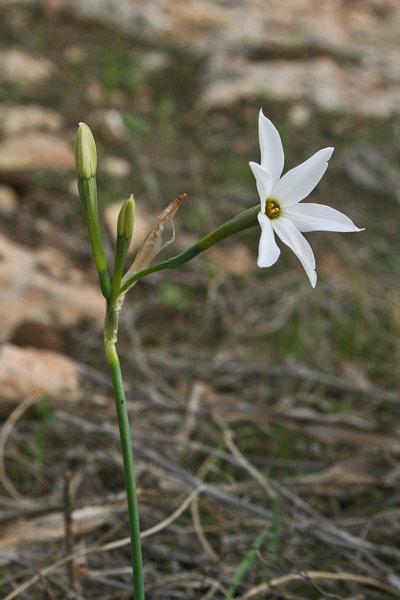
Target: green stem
243,221
246,564
88,194
121,250
110,333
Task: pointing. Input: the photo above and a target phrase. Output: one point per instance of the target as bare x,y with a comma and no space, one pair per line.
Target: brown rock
33,373
38,287
30,333
35,151
336,56
20,68
8,201
56,264
281,80
18,119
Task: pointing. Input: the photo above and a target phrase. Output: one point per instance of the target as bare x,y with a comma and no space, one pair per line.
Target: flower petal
268,250
263,181
298,243
272,156
297,183
317,217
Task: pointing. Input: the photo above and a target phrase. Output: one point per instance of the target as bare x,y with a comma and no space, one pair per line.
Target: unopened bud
126,219
85,152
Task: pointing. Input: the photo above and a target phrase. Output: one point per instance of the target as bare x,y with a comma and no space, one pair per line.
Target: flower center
272,209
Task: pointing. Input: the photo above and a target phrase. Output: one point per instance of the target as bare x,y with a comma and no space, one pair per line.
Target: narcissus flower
281,211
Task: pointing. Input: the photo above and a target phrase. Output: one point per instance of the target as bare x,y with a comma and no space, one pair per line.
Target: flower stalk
86,164
110,338
239,223
124,235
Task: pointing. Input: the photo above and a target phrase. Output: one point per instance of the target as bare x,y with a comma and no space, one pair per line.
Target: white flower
281,212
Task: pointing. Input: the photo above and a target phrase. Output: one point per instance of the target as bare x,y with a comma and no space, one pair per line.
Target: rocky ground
282,399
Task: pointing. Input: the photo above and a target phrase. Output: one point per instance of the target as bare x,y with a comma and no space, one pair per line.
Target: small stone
153,61
33,373
20,68
94,93
8,201
116,167
75,54
300,115
112,125
35,151
18,119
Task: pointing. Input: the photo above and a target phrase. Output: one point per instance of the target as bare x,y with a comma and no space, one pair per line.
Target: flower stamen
272,209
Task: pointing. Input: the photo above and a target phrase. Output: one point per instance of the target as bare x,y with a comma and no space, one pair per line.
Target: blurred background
284,400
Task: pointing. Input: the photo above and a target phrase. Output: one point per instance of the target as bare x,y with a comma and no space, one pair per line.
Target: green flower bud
126,218
85,152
